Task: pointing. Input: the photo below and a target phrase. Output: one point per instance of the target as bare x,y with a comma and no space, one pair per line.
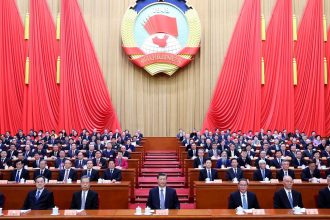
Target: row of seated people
247,158
67,173
311,173
34,156
53,138
258,138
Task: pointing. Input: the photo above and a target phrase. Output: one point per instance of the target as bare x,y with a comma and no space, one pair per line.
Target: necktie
37,195
66,176
244,202
89,173
111,173
290,199
263,174
201,160
41,172
162,199
83,200
235,172
80,163
17,176
209,175
285,173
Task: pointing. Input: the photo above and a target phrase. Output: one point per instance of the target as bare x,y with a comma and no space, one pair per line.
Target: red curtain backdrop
12,66
237,96
84,97
41,100
277,109
327,89
309,93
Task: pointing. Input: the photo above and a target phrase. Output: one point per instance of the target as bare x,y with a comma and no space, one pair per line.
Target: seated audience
223,161
43,171
234,172
261,173
120,162
67,172
93,174
99,161
200,160
262,156
298,161
19,173
277,161
244,161
59,162
285,171
112,173
214,152
108,153
192,152
310,172
80,162
323,200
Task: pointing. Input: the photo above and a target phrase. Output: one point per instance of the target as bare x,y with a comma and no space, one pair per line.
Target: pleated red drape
41,100
12,59
309,93
84,97
327,89
237,96
277,111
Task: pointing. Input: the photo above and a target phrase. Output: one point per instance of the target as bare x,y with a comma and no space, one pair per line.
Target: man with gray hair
287,198
262,173
323,200
86,198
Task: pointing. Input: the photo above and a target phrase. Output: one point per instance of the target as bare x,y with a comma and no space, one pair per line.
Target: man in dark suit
80,162
90,172
262,173
298,160
234,171
43,171
285,171
277,161
242,197
19,173
59,162
214,152
200,160
40,198
208,172
86,198
112,173
109,152
323,200
310,172
4,161
163,197
244,160
287,198
99,161
67,172
192,152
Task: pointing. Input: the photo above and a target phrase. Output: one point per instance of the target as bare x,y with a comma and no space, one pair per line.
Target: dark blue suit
257,176
116,174
236,201
171,199
72,175
45,201
281,200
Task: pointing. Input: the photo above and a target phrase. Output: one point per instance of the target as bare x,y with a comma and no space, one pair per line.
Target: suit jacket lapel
157,197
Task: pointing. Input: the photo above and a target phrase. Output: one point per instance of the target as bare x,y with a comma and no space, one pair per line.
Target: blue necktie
37,195
244,202
263,174
290,199
17,176
162,199
83,200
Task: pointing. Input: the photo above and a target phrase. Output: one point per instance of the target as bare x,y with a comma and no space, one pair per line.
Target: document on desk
258,212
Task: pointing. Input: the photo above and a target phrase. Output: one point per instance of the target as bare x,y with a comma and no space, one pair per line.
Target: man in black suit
192,152
285,171
208,172
234,171
112,173
59,162
261,173
67,172
244,160
298,160
310,172
200,160
86,198
323,200
163,197
19,173
242,197
287,198
4,161
80,162
90,172
43,171
40,198
277,161
99,161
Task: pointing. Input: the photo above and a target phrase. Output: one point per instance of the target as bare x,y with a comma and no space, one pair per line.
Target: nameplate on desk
161,212
3,181
323,181
14,212
29,181
70,212
107,181
312,211
274,180
52,181
297,181
258,212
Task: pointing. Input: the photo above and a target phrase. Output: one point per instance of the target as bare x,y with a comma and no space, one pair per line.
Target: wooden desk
111,196
127,175
186,214
215,195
